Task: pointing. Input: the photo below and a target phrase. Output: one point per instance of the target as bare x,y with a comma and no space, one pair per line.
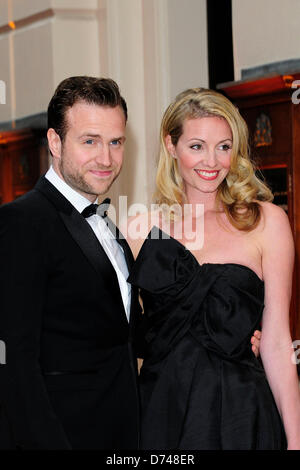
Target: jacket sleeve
28,420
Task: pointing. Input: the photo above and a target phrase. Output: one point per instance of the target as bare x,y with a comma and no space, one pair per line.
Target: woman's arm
276,344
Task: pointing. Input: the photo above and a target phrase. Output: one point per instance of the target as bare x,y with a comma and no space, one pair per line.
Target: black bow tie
100,209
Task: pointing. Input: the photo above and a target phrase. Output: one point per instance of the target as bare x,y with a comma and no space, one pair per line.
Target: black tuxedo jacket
69,381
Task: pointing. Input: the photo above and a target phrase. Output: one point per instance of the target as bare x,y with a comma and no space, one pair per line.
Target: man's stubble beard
74,179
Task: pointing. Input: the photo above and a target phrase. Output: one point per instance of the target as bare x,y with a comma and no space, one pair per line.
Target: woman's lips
207,175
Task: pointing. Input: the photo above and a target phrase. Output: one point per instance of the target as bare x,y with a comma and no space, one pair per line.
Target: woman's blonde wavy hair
239,192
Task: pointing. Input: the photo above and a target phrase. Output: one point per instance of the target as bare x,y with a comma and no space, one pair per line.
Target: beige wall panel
187,44
264,31
32,52
5,109
75,4
4,12
75,47
23,8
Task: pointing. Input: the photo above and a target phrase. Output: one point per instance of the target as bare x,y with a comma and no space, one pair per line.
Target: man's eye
116,142
89,141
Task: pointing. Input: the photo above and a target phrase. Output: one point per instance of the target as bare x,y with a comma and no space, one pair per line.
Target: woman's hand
255,341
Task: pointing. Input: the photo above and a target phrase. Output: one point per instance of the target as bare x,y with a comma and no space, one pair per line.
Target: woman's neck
200,199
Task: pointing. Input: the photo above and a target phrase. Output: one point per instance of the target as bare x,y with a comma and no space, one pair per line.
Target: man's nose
103,156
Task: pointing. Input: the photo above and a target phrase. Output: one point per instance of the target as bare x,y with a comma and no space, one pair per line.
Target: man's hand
255,341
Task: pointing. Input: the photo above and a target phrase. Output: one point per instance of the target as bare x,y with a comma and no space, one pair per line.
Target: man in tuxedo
67,313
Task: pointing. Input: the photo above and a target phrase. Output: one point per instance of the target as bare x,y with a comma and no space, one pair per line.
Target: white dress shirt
110,245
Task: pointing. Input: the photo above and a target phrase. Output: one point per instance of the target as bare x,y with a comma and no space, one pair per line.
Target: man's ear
54,143
170,146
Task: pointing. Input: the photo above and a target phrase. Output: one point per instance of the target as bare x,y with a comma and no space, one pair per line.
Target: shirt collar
77,200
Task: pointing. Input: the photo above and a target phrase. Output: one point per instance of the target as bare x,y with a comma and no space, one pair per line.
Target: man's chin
101,187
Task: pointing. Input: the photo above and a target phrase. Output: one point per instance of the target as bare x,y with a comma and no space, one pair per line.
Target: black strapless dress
201,386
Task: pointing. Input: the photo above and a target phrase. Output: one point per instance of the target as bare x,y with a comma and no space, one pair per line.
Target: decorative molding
260,86
14,25
78,14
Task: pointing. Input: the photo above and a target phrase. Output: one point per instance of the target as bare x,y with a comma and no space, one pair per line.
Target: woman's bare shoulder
274,227
272,215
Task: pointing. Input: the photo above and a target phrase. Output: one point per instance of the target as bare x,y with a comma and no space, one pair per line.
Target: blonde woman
214,263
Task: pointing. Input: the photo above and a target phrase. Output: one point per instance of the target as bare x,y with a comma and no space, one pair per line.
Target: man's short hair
91,90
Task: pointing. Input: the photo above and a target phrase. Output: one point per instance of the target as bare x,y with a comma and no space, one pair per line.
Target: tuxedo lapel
83,235
135,308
